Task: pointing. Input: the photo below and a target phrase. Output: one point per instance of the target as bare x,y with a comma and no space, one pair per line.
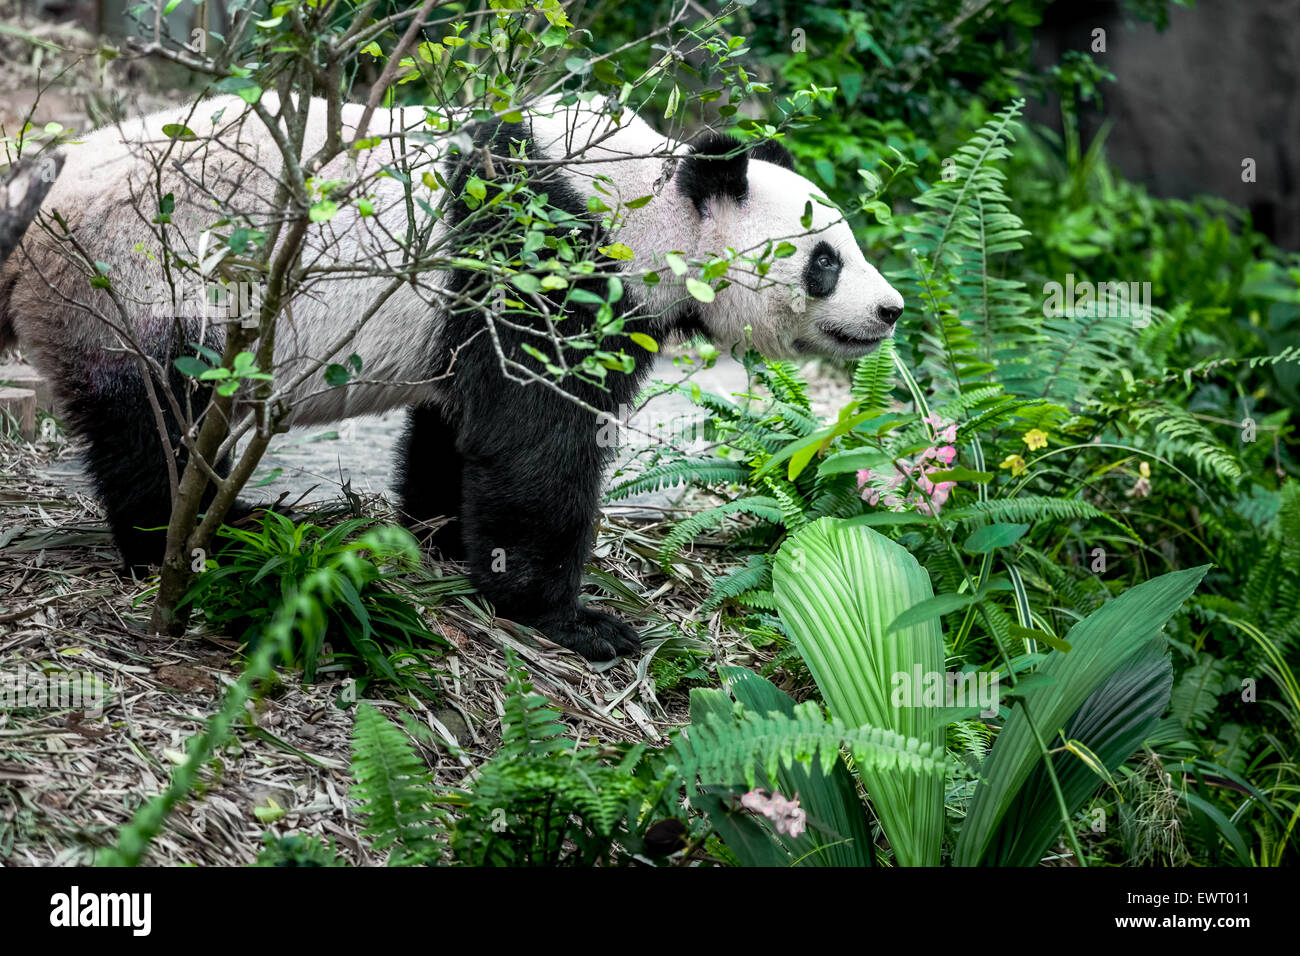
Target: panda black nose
889,313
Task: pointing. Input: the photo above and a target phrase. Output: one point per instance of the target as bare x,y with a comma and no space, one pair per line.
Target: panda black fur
518,467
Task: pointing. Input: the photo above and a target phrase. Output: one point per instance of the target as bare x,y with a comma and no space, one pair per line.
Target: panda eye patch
822,273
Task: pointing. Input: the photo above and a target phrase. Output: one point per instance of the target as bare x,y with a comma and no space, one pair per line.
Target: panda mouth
849,340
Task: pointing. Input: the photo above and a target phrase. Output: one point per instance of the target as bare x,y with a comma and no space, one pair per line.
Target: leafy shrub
360,604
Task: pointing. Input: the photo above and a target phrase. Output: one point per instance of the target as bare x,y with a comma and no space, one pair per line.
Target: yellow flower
1144,470
1036,438
1015,463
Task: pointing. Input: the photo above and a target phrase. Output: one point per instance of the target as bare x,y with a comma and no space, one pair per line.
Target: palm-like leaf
840,631
1101,644
1112,724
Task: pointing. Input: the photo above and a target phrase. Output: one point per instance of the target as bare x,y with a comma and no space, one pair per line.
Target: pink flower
891,490
786,815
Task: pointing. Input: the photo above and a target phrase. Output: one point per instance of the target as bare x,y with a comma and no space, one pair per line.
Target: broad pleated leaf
838,587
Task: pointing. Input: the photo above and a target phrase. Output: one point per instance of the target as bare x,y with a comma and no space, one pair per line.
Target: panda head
825,299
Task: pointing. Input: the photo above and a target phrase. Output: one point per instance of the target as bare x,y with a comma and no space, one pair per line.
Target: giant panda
517,466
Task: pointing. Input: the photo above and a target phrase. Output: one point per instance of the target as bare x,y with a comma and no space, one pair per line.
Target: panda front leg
428,480
530,487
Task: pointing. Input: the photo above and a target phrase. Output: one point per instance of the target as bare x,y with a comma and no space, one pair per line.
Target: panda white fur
518,467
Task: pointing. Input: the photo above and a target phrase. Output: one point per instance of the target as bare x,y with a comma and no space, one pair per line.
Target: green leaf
857,459
1034,634
929,610
336,375
883,518
882,212
617,251
799,460
1101,644
1111,724
701,291
177,131
961,474
189,365
994,536
830,799
645,341
836,587
526,282
323,211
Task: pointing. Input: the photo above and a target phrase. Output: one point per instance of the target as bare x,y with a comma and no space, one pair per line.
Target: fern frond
530,726
700,472
395,789
1030,508
760,506
757,573
840,499
782,379
1179,433
873,378
722,751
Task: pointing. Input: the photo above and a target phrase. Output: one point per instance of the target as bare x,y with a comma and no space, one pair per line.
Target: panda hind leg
128,464
126,461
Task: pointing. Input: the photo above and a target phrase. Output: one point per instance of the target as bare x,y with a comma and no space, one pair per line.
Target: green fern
873,377
727,751
700,472
756,574
1030,508
543,802
529,725
1179,434
395,789
760,506
980,325
966,218
782,379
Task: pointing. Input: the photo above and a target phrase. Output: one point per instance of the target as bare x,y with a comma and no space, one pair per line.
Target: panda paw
593,634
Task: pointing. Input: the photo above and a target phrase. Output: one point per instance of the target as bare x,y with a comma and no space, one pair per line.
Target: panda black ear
771,151
717,166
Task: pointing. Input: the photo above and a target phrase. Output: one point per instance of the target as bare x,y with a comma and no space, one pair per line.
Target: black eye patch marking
822,273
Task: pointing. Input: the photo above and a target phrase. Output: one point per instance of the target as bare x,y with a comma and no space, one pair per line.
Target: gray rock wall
1219,85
